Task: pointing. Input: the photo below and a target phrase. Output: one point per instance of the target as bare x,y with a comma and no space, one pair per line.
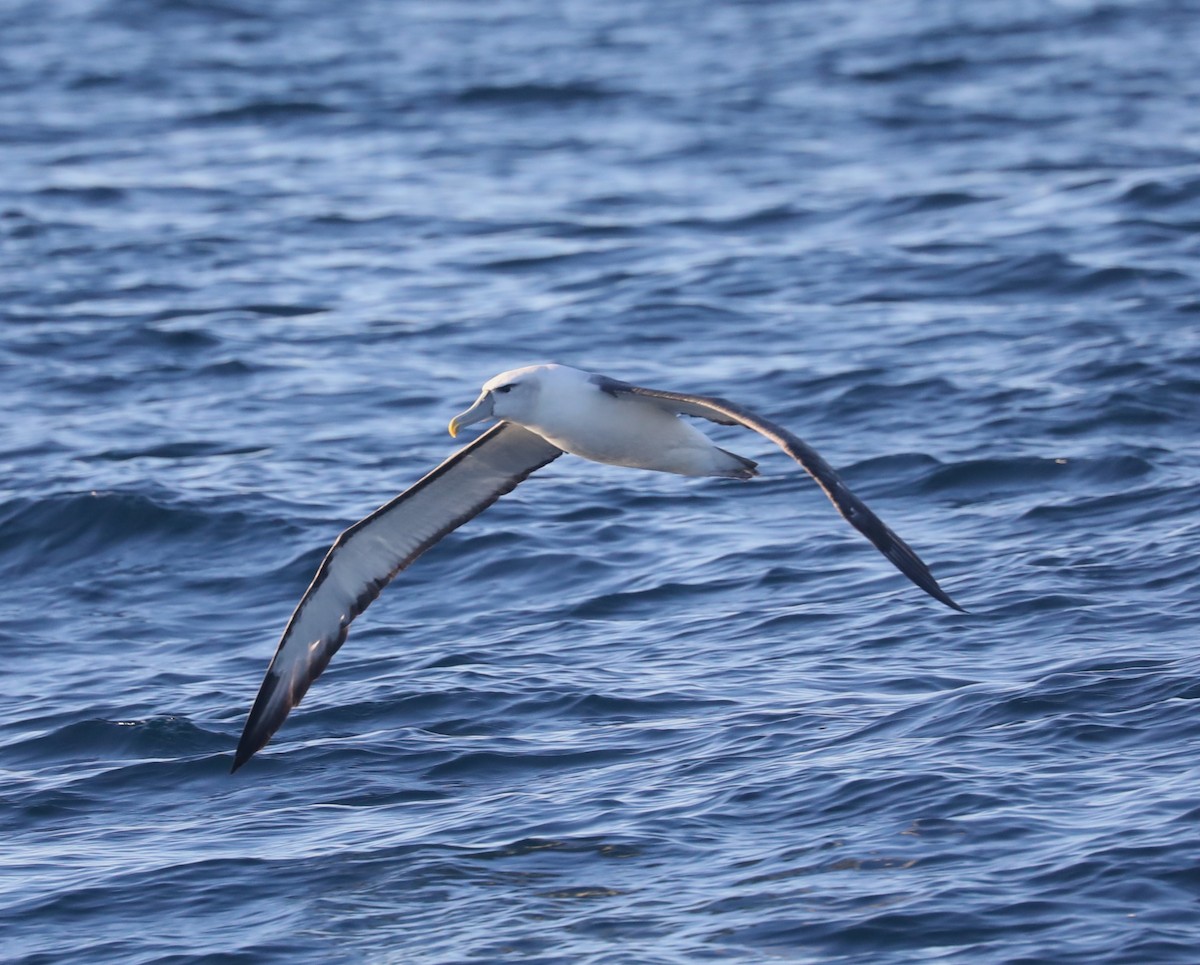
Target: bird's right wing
853,509
372,551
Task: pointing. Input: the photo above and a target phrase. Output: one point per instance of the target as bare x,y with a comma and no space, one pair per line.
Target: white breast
588,422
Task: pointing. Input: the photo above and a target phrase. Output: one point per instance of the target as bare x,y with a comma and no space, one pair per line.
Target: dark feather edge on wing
259,728
852,509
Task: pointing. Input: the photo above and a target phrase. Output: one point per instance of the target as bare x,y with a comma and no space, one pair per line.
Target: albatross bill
541,412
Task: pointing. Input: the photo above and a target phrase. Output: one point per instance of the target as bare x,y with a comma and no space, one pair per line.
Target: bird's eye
506,388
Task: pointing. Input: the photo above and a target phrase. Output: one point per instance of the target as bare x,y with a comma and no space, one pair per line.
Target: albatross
541,412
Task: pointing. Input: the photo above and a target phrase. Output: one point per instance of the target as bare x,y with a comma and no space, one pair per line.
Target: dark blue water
254,255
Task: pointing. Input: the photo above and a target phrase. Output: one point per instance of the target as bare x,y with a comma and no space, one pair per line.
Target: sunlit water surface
253,256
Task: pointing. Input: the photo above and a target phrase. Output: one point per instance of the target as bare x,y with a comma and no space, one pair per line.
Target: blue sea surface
255,253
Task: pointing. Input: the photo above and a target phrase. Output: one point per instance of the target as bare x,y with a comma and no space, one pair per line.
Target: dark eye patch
506,388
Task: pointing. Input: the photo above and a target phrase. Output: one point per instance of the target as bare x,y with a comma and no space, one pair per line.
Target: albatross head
511,396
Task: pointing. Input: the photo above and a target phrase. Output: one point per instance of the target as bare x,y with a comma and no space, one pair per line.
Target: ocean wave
254,255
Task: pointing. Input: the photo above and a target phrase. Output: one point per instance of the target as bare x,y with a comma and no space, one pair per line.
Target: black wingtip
912,566
902,556
943,597
260,724
908,563
926,582
246,749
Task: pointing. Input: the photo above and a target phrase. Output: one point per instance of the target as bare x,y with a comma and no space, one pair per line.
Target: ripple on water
253,257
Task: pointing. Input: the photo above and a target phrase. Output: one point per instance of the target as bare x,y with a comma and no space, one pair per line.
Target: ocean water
255,253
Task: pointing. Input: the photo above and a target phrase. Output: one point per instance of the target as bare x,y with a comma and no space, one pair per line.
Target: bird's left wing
372,551
855,511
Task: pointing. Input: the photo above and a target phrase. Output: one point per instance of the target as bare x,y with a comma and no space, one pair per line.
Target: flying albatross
542,411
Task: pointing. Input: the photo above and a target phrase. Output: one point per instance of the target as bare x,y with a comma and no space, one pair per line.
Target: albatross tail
735,467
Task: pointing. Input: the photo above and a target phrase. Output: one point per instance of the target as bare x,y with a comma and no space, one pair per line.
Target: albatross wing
853,509
372,551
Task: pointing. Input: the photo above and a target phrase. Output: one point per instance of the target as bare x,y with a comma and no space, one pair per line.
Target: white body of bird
569,409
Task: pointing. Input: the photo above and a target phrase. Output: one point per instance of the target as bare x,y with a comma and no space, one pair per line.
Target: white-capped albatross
542,411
